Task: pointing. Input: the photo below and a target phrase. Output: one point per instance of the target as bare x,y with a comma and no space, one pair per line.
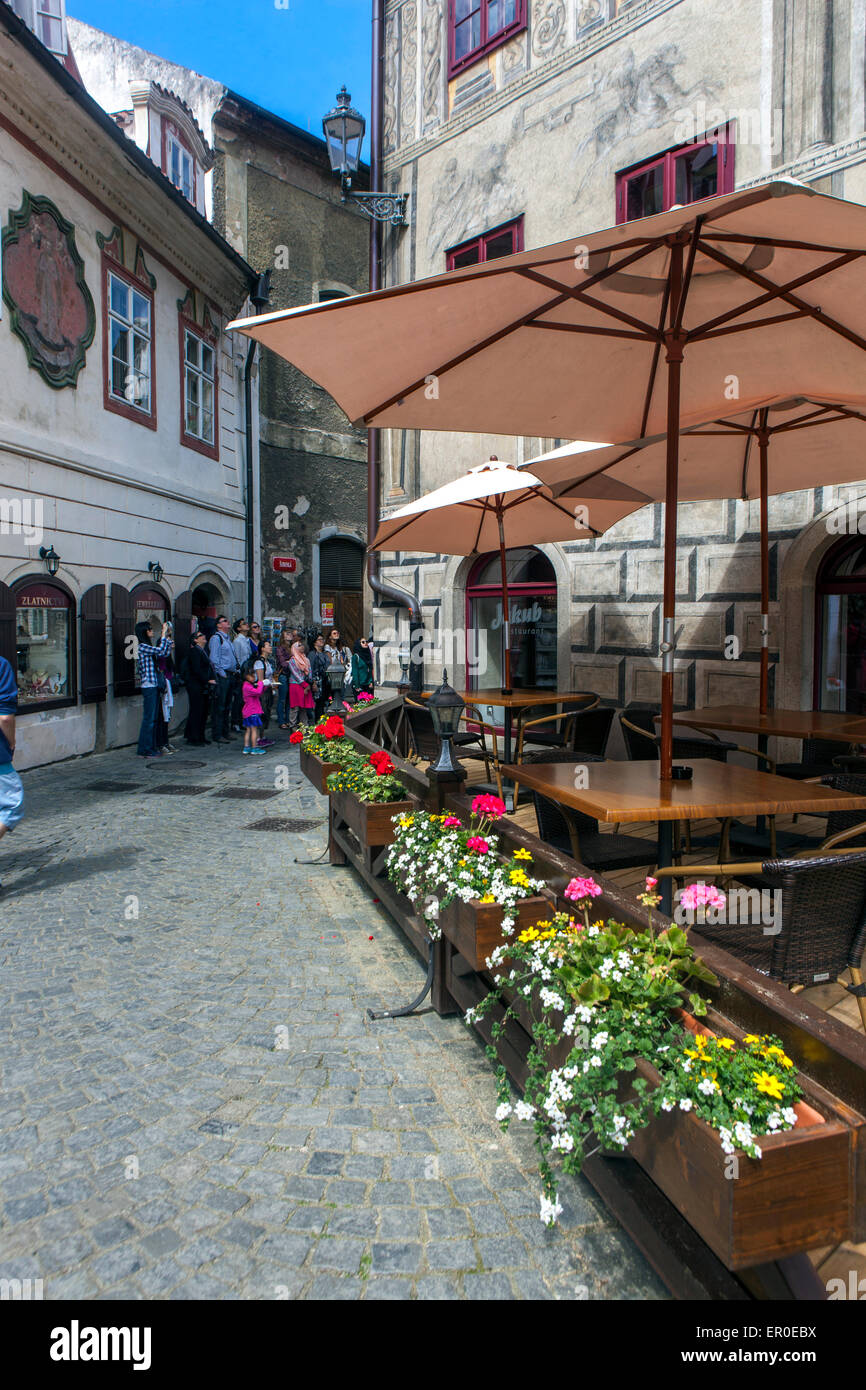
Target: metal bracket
410,1008
380,207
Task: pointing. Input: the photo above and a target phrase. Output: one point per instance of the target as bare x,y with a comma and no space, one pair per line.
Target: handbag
161,681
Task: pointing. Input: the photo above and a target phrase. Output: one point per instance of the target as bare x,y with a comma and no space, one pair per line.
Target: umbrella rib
775,241
703,337
654,365
583,298
804,279
781,293
750,434
694,242
596,329
370,415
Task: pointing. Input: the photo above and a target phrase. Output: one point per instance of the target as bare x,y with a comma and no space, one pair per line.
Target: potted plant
463,887
366,795
323,747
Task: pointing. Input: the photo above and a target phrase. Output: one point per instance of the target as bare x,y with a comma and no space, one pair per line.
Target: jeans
147,733
282,699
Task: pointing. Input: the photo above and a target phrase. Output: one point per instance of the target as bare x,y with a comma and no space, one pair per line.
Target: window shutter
94,685
341,564
182,631
122,628
7,626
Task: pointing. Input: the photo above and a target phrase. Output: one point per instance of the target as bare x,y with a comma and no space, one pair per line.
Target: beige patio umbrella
777,446
496,506
761,292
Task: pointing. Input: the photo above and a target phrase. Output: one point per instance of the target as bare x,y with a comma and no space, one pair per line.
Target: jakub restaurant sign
284,564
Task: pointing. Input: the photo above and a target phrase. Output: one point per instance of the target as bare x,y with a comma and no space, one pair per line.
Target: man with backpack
227,671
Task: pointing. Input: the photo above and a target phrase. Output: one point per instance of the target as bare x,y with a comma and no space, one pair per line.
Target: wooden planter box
475,928
316,771
369,820
797,1196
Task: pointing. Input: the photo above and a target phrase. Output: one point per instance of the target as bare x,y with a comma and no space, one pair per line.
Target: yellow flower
488,898
770,1085
547,935
518,876
779,1056
461,862
751,1038
523,854
727,1043
529,935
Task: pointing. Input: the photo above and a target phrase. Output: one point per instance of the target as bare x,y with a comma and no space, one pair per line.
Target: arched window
840,628
150,605
45,645
532,611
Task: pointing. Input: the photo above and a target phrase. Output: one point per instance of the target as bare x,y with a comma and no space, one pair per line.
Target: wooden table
631,791
777,723
519,700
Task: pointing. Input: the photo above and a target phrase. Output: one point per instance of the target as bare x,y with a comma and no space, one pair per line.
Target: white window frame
128,324
191,369
172,143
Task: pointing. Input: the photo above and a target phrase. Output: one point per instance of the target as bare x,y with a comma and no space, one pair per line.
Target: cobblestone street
195,1105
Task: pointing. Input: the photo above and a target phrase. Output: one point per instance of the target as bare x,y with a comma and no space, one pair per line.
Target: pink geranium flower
651,882
581,888
490,806
702,895
480,846
451,821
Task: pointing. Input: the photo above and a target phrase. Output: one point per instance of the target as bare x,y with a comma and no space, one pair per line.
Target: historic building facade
518,123
269,190
122,429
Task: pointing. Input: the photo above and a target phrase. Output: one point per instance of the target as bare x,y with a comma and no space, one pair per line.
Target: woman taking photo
152,683
300,691
362,668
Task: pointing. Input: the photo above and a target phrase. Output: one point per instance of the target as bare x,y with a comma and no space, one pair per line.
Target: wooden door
94,682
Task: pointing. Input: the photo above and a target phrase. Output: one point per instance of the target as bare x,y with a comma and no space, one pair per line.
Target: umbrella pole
674,342
506,675
764,441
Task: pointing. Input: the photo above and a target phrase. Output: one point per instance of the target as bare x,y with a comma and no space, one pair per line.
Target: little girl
253,690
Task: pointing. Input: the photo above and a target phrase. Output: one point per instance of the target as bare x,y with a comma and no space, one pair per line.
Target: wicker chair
560,737
425,741
818,759
818,930
574,833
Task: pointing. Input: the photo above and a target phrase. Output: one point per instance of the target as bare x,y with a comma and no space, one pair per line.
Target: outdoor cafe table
777,723
520,700
626,792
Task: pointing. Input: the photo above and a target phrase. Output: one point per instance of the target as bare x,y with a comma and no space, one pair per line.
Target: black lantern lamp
446,707
336,676
344,129
51,558
155,570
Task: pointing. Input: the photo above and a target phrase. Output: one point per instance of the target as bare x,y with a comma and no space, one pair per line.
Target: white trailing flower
685,1103
503,1111
563,1142
524,1111
549,1210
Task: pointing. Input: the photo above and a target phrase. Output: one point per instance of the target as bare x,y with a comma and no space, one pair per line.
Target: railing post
443,785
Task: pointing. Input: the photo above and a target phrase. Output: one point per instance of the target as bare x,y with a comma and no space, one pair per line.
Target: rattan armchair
818,928
553,738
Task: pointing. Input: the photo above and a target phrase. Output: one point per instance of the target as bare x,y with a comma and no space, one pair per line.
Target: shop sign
284,564
327,615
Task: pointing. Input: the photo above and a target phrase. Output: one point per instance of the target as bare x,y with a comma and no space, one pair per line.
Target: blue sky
291,60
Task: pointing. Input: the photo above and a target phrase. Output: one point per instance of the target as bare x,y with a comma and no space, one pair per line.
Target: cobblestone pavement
195,1105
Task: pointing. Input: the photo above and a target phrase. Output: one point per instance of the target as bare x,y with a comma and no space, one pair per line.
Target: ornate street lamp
154,568
344,129
446,707
51,558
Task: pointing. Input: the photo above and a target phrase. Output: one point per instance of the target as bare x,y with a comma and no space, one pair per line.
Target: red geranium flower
381,762
491,806
296,737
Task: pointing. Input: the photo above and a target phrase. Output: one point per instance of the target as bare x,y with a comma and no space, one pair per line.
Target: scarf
363,653
300,659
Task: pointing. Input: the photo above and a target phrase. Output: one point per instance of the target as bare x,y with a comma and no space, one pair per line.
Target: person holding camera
153,683
226,670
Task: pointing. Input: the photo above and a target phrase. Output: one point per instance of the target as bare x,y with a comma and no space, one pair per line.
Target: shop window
45,645
502,241
476,27
840,629
533,616
686,174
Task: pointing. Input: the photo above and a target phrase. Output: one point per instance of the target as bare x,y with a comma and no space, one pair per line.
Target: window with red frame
128,357
685,174
502,241
476,27
198,368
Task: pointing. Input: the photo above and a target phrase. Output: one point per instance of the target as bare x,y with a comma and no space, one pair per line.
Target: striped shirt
146,654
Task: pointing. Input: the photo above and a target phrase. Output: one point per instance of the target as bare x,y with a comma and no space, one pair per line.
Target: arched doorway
207,600
840,628
341,584
533,615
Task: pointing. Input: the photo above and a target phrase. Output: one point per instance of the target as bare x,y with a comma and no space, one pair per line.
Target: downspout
379,586
260,298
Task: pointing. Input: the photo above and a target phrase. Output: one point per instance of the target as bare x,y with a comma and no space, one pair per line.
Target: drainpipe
379,586
260,298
